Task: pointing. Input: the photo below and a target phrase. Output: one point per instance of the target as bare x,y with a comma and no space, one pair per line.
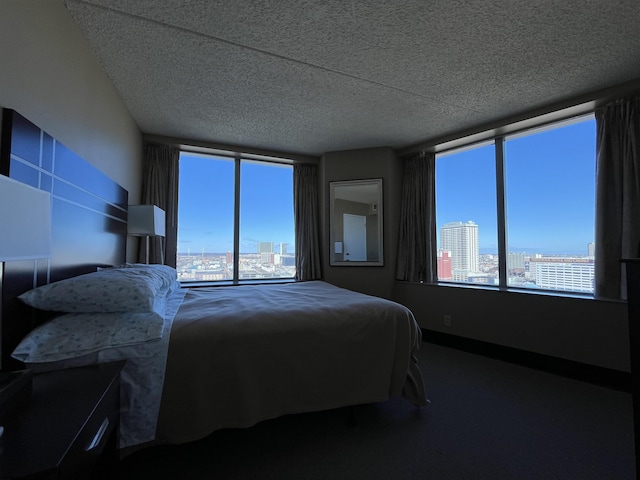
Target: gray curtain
617,194
417,236
305,204
160,187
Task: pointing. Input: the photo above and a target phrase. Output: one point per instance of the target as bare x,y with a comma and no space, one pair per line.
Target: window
235,219
550,202
538,187
466,218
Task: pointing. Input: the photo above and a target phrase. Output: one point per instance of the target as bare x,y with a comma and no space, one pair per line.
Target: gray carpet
487,420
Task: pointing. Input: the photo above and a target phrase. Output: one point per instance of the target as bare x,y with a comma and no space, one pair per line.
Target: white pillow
74,335
110,290
169,274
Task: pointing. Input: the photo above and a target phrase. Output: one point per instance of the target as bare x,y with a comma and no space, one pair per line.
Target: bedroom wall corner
50,76
361,164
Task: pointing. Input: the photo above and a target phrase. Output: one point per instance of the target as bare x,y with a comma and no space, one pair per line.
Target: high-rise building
444,265
461,240
267,258
591,249
515,262
265,247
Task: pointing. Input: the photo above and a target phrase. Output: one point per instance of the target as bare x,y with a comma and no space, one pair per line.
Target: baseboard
605,377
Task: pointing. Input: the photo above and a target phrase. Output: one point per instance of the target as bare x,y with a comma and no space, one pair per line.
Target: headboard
88,221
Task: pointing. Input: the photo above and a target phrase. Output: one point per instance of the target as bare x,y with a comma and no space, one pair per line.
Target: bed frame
88,222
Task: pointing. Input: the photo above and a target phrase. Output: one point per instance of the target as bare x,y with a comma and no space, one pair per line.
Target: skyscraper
515,262
461,239
265,247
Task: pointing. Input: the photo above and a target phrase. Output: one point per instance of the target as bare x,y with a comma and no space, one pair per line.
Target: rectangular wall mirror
355,229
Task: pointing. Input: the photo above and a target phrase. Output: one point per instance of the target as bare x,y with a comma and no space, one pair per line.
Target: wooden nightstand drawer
86,452
66,427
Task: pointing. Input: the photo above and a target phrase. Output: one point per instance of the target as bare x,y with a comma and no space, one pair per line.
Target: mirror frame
375,204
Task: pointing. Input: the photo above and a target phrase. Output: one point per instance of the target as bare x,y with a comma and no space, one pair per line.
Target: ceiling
312,76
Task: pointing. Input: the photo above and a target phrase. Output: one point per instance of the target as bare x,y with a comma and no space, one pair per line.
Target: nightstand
66,428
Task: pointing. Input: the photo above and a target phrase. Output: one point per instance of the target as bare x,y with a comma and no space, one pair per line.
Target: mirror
355,230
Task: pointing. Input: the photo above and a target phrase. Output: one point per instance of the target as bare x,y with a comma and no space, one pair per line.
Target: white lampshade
25,221
146,220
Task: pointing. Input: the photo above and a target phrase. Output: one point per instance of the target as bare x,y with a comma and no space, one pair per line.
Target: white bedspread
242,354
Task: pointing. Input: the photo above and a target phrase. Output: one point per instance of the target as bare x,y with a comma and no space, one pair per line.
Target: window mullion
502,213
236,222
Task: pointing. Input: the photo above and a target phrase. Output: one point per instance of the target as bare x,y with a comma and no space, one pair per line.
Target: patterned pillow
168,274
111,290
74,335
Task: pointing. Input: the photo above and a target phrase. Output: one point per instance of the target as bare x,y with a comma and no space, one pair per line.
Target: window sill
230,283
525,291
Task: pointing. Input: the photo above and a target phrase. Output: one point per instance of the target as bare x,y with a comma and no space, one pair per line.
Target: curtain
160,187
416,239
617,194
305,205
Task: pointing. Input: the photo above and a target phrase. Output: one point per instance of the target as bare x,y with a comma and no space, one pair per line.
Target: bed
270,350
225,357
198,359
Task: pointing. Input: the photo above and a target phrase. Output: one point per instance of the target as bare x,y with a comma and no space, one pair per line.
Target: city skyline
550,196
550,190
459,261
206,212
194,253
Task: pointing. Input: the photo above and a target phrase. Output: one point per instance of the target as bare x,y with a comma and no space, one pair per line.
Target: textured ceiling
311,76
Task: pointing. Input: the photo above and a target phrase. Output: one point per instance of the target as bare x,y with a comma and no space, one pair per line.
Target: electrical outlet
447,320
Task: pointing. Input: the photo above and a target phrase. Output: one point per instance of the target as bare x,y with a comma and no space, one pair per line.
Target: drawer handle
98,436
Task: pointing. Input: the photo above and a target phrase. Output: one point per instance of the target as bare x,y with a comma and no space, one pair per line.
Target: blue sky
550,196
550,191
205,210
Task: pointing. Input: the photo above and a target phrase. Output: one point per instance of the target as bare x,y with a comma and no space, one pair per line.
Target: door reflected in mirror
356,223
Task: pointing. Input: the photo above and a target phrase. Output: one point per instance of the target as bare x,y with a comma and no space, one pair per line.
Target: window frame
508,132
237,158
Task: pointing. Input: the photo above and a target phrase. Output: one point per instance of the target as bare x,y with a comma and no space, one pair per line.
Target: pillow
74,335
111,290
168,274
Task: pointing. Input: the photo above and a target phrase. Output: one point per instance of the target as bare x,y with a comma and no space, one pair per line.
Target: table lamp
146,221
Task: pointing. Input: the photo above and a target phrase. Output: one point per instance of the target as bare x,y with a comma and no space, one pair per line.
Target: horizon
206,212
559,160
195,254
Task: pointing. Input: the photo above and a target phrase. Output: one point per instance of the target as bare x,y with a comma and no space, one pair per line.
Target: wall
50,76
350,165
578,329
